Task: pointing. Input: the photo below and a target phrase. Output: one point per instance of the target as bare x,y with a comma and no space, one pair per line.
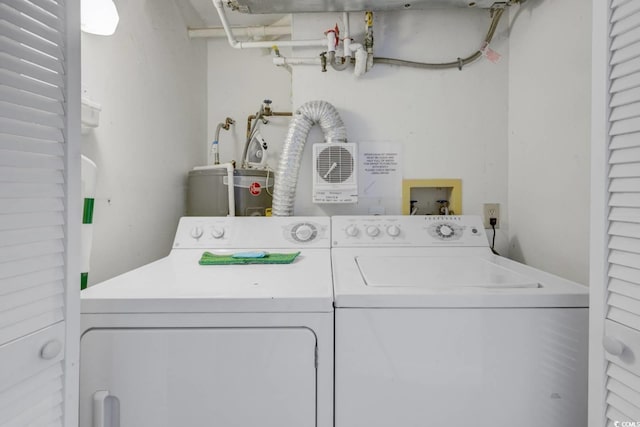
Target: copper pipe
252,117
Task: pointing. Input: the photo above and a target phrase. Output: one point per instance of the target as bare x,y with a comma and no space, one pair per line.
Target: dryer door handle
106,409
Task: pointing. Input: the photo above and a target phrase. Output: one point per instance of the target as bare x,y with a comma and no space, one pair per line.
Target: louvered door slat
626,111
25,296
624,273
14,127
30,250
622,25
617,3
24,267
38,411
28,99
624,229
626,68
625,10
32,175
25,235
9,78
623,97
13,48
30,25
36,14
15,33
30,160
630,80
625,303
624,317
14,284
627,140
29,145
624,170
614,416
629,200
30,115
624,40
625,185
51,7
626,259
625,126
621,287
32,205
13,191
32,71
624,243
625,215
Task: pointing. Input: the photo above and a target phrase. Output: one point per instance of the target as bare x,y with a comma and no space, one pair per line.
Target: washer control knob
217,232
304,232
445,230
197,232
352,230
373,230
393,230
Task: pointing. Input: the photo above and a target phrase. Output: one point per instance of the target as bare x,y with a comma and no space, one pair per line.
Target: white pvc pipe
260,31
267,44
230,182
282,61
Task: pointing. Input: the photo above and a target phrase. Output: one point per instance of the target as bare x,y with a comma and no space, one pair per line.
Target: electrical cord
493,221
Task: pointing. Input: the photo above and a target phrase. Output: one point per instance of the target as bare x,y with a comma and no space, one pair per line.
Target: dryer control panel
252,232
408,231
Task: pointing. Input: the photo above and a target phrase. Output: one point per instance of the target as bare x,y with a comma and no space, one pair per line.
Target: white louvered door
620,333
39,212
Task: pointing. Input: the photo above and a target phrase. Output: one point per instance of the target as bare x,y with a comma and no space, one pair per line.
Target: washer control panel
252,232
411,231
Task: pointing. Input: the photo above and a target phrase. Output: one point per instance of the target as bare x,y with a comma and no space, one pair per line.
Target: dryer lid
439,272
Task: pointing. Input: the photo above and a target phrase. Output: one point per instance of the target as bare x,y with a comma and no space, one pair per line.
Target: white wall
549,125
151,82
448,123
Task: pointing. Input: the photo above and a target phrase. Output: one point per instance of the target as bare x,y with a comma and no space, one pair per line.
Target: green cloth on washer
212,259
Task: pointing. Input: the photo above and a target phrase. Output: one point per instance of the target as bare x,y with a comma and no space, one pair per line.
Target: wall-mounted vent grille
334,173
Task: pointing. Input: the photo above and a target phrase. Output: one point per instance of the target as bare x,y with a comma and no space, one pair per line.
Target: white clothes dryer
432,329
175,343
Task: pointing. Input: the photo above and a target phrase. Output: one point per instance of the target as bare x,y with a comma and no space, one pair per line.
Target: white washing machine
175,343
432,329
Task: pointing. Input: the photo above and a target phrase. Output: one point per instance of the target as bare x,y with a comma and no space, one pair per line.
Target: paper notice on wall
380,169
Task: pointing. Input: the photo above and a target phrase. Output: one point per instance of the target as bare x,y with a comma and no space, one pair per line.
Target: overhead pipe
250,32
309,114
497,10
259,44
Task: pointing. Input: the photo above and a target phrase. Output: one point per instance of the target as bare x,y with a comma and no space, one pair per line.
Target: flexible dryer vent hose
310,113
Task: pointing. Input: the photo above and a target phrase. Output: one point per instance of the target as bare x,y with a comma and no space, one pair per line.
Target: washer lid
439,272
445,278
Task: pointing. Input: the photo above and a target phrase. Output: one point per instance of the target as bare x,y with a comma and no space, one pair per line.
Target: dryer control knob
393,230
445,230
197,232
373,231
304,233
352,230
217,232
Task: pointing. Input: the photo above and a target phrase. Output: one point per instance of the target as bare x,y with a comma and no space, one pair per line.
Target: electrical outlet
491,210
